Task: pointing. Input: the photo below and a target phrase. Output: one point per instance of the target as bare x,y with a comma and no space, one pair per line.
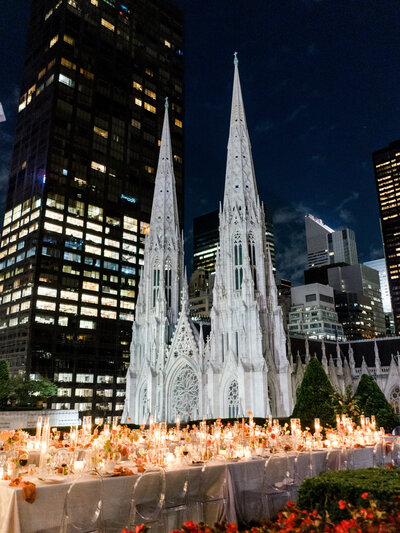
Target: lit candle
317,425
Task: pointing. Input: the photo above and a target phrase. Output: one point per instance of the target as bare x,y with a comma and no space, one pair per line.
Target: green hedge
323,492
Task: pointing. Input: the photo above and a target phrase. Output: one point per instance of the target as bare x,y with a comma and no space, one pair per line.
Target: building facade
242,365
313,313
386,166
326,246
80,190
380,266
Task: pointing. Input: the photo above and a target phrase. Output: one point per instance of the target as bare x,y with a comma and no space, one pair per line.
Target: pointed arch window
233,399
238,262
395,399
252,259
168,284
156,283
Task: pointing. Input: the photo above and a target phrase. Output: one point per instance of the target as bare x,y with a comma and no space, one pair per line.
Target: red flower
290,504
342,504
364,495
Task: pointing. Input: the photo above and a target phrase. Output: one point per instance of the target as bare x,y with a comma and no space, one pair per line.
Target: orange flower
342,504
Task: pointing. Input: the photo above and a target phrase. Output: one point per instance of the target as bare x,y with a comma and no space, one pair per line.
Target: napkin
28,489
123,471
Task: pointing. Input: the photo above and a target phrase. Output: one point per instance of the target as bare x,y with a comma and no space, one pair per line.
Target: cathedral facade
241,364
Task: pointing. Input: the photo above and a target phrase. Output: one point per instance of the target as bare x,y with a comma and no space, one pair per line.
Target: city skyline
320,88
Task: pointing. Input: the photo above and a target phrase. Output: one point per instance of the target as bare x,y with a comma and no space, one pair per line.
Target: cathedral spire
240,182
164,213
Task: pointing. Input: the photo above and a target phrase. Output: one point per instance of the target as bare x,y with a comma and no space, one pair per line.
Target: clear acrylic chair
264,501
212,497
396,452
333,459
83,504
175,510
147,501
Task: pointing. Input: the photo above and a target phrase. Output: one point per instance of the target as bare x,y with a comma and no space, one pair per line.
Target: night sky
320,81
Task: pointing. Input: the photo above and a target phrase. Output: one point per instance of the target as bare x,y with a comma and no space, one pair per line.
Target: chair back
176,488
83,505
148,497
214,480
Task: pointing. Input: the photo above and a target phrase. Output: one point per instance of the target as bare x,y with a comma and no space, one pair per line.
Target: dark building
81,184
387,174
206,239
358,299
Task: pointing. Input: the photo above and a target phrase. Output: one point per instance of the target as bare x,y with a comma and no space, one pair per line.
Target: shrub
324,492
4,382
314,397
372,401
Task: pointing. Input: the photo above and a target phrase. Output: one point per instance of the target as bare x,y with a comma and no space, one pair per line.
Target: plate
51,480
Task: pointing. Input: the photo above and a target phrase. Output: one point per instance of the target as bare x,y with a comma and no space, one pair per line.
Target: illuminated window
69,295
178,123
109,242
41,73
69,40
90,286
167,44
149,169
52,227
126,305
92,249
98,166
87,324
67,308
53,41
89,298
55,200
69,256
101,132
66,80
149,72
144,228
107,24
138,102
136,124
95,212
111,254
89,311
87,74
126,316
47,291
54,215
68,64
90,237
93,226
76,208
130,224
109,302
40,319
48,306
137,86
152,94
149,107
86,393
74,221
108,314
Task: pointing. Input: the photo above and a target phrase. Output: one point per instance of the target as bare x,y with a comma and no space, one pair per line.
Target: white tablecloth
45,514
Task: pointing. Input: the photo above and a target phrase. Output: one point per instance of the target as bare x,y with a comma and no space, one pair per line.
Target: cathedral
241,363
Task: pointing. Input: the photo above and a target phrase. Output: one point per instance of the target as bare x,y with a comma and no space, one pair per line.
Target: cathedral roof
362,348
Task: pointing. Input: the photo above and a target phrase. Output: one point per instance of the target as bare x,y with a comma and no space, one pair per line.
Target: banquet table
45,514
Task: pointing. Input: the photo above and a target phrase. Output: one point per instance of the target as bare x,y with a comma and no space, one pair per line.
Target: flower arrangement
364,519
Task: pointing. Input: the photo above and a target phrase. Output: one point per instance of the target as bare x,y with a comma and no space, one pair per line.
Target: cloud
264,126
353,196
290,242
294,114
311,49
318,157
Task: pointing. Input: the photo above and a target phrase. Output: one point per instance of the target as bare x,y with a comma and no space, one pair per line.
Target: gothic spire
164,213
240,182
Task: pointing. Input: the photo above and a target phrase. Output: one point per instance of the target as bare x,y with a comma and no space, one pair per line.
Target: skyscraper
326,246
80,190
387,174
